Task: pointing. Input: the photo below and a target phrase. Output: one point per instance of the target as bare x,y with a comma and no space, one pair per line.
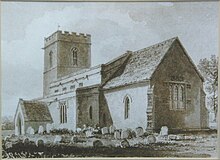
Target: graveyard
109,142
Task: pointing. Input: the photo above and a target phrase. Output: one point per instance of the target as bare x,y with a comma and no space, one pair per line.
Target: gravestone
125,134
117,134
78,130
89,133
112,129
30,130
105,130
172,137
164,131
48,127
139,131
39,142
151,139
57,139
74,139
40,130
124,143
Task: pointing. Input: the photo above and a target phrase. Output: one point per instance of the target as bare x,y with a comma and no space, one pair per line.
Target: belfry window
127,107
51,59
74,51
63,112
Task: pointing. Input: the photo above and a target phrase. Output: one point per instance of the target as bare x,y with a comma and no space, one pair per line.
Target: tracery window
177,96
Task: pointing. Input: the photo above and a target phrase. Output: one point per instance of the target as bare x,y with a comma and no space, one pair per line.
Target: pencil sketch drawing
149,101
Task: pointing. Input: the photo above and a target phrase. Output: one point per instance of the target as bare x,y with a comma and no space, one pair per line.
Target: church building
149,88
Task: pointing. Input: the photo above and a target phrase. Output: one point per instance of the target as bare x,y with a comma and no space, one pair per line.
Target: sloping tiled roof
142,64
36,111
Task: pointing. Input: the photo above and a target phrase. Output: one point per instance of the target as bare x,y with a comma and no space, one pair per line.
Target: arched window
127,107
90,112
74,51
51,58
63,112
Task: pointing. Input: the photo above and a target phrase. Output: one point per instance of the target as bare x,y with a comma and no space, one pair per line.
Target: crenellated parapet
67,37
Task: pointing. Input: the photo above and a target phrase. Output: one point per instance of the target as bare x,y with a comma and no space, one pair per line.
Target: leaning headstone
125,134
40,130
117,134
139,131
39,142
124,144
48,128
164,131
151,139
8,145
112,129
105,130
57,139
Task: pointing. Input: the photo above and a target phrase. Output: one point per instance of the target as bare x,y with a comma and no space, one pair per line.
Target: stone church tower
65,53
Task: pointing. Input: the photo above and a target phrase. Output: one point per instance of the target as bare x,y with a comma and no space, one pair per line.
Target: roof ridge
156,44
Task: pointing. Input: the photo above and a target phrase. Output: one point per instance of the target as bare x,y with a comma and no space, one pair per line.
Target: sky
114,27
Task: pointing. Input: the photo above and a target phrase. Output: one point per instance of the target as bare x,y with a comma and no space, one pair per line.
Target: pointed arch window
127,107
177,96
74,51
51,59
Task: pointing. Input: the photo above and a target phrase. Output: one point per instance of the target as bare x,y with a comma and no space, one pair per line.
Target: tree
209,70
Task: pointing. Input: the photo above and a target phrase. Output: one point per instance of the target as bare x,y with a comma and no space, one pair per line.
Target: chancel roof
141,64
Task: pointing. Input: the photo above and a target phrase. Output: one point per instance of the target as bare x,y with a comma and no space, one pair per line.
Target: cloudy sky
115,28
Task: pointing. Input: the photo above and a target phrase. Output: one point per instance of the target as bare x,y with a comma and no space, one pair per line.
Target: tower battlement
68,37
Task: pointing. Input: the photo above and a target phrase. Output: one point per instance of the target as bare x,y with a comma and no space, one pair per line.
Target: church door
19,125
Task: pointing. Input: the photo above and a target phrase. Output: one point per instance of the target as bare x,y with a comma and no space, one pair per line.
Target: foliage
209,70
7,123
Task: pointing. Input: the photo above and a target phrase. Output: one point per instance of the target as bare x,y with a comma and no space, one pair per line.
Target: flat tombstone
40,130
125,134
105,130
117,134
112,129
139,131
164,131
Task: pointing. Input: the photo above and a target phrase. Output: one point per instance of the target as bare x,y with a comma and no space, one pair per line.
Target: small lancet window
127,107
74,51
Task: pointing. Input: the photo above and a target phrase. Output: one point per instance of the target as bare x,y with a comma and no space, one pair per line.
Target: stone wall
115,101
87,97
177,68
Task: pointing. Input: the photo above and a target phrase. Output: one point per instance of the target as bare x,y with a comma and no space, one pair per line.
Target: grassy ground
203,146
